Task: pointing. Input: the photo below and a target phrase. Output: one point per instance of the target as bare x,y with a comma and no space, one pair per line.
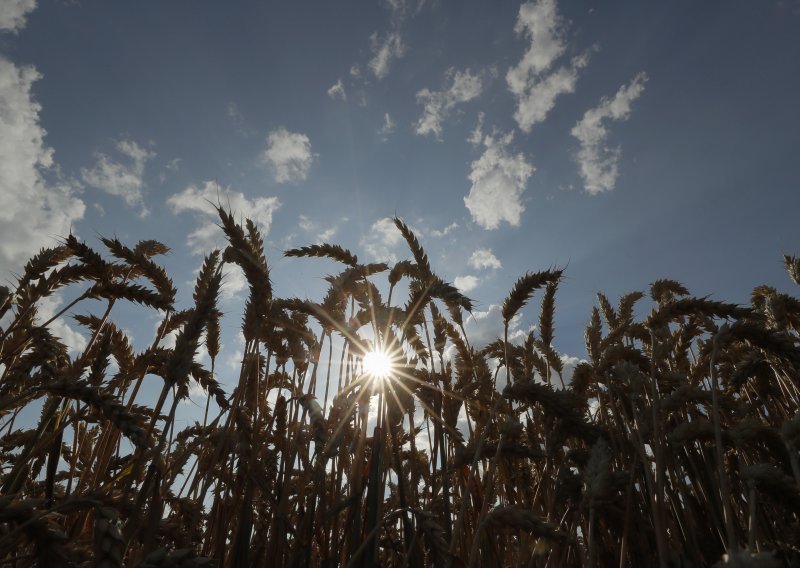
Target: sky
626,141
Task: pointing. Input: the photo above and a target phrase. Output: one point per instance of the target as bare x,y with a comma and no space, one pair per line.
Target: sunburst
378,364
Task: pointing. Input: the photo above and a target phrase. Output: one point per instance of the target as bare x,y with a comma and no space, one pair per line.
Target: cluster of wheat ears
675,443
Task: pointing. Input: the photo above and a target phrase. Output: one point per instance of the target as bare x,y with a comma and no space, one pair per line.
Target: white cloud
203,201
441,233
49,306
461,87
234,113
598,161
466,283
289,155
337,91
535,93
382,239
569,362
484,258
122,180
326,235
173,165
384,50
33,212
388,46
477,133
387,128
535,104
483,327
13,14
541,23
498,182
305,223
233,282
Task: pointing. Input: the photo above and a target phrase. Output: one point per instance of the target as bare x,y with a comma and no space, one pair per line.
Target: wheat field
676,442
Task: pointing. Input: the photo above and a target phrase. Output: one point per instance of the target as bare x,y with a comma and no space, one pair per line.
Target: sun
378,364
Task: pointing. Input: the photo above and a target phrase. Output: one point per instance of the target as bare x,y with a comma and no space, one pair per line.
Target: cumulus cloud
125,180
33,212
484,258
382,240
202,201
466,283
387,128
536,92
384,49
597,160
498,181
288,155
337,91
13,14
460,87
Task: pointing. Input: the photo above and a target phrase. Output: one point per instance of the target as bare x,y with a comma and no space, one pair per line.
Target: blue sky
629,141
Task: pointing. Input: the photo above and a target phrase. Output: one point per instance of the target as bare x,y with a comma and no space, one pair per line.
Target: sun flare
378,364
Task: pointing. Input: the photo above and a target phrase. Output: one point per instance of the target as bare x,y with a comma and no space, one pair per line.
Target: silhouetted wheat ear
524,288
625,465
416,249
334,252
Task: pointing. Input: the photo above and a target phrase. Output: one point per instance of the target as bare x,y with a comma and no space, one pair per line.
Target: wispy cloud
387,127
289,155
202,200
125,180
173,165
536,92
498,181
484,258
305,223
444,232
389,46
385,48
322,236
33,212
234,113
597,160
476,136
337,91
13,14
460,87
